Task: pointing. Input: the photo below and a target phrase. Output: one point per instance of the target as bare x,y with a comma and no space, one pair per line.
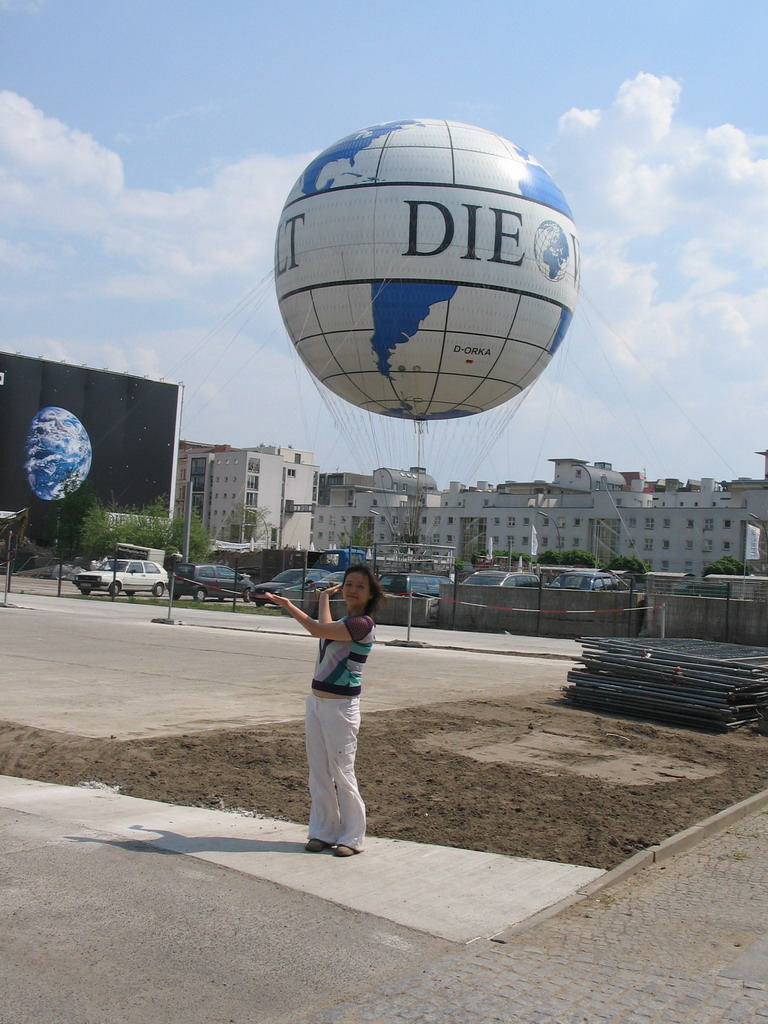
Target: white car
129,575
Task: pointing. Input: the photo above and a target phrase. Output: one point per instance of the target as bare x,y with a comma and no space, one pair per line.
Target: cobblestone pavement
683,942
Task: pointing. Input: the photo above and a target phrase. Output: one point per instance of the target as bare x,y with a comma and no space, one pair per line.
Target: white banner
752,543
534,542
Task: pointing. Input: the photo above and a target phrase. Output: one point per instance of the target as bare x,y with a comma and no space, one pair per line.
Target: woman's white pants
337,814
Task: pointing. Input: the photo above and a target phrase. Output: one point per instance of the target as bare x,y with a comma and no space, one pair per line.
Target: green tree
246,521
152,527
65,518
627,563
575,556
360,537
550,558
727,566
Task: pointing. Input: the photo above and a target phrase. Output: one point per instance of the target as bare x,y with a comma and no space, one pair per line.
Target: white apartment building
675,526
266,494
387,504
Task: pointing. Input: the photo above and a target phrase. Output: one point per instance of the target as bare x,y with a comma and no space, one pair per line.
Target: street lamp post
557,528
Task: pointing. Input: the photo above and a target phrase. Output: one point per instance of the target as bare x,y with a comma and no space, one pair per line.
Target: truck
340,559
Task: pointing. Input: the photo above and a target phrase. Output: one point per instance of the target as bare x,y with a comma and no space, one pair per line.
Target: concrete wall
708,618
575,613
529,611
423,610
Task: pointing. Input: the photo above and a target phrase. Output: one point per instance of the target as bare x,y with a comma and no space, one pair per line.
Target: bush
150,527
625,563
575,556
727,566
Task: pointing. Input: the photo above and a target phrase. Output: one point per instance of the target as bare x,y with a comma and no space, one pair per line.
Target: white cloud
24,6
41,153
55,177
576,120
674,225
648,104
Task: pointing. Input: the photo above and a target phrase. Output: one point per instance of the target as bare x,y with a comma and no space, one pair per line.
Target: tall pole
9,554
187,519
557,528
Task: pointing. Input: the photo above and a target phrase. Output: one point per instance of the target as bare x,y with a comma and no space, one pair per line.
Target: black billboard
61,425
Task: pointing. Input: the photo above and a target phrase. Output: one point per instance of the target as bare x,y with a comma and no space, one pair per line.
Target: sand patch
553,753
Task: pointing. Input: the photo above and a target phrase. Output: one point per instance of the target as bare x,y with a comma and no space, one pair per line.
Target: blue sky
146,149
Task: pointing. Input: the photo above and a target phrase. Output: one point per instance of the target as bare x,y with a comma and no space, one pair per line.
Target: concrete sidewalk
457,895
98,932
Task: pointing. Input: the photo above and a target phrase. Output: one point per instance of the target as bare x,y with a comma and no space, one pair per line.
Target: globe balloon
426,269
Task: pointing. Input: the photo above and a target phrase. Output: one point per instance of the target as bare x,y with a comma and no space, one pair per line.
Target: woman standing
337,814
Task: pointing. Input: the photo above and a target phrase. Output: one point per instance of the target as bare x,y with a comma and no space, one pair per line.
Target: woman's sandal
316,846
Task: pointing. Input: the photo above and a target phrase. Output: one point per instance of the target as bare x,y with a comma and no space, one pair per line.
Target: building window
726,545
577,522
689,545
649,522
689,524
648,544
726,524
665,544
631,522
709,524
706,546
667,523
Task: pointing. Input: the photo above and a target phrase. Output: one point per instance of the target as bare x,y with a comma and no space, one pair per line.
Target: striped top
340,663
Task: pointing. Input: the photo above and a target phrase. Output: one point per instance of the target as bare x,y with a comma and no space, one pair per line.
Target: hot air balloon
426,269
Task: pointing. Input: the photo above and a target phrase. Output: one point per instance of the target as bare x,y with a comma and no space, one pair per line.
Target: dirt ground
523,777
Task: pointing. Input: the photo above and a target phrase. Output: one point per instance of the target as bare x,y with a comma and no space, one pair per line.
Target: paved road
683,943
218,670
129,911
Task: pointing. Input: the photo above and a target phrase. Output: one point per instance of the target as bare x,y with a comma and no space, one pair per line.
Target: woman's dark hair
378,597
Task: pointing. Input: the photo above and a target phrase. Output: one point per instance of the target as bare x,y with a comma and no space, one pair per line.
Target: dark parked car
201,581
418,583
314,586
587,579
499,578
288,578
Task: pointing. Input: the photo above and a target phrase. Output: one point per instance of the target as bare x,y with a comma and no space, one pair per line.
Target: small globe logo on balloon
550,247
426,269
58,453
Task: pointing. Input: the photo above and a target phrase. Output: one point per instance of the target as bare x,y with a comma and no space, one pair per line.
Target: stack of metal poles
688,682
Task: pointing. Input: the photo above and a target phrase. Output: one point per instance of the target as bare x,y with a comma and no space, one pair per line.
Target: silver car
499,578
